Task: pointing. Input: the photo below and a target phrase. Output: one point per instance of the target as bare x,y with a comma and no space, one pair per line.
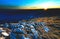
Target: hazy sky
32,3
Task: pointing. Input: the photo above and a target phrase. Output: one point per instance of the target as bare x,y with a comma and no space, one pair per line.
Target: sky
31,4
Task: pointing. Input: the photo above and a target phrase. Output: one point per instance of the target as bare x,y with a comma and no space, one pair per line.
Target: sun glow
47,5
44,5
